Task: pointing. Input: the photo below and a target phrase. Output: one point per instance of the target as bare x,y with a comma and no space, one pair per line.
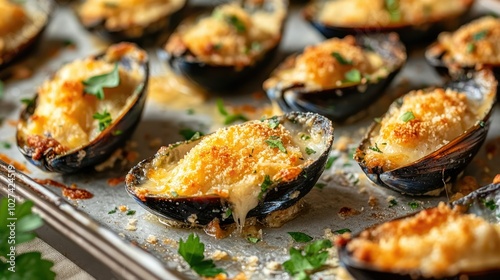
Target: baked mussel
242,171
429,136
220,50
338,77
128,20
87,110
473,46
457,241
21,24
412,20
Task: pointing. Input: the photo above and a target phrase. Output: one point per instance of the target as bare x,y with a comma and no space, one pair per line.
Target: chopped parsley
274,122
330,161
1,89
104,119
392,203
300,237
95,85
392,6
275,142
28,101
113,211
130,212
265,186
310,151
479,35
320,185
190,111
490,204
375,149
190,134
229,119
6,145
407,116
341,59
305,261
192,250
117,132
341,231
227,214
236,23
352,76
305,137
470,48
253,240
482,123
413,204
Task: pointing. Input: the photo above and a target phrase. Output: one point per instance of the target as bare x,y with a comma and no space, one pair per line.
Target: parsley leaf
305,137
28,101
95,85
479,35
413,204
392,203
113,211
300,237
330,161
253,239
392,6
130,212
265,186
320,185
190,134
192,250
229,118
306,261
353,76
407,116
236,23
274,122
104,119
310,151
341,59
490,204
275,142
375,149
341,231
6,145
470,48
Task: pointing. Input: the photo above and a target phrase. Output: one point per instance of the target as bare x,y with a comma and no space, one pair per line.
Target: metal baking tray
88,224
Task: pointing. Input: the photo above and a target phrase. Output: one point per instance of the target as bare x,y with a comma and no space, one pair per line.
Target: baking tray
128,253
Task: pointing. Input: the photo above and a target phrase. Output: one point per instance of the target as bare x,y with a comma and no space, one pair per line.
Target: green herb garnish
470,47
190,134
1,89
300,237
407,116
413,204
229,119
236,23
274,122
228,213
190,111
320,185
310,151
342,231
113,211
375,149
275,142
104,119
130,212
17,224
479,35
117,132
192,250
174,194
253,239
330,161
341,59
392,6
392,203
490,204
265,186
377,120
352,76
28,101
308,260
6,145
95,85
305,137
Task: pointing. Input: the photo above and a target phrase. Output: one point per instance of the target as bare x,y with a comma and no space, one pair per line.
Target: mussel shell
409,34
427,174
137,34
207,208
43,8
101,147
474,203
218,77
339,104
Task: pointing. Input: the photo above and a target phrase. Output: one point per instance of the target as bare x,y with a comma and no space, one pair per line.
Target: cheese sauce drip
437,242
234,163
475,42
425,122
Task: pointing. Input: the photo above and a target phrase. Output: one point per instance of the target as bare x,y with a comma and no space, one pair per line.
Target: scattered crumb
112,182
496,180
372,201
121,234
132,225
346,212
122,208
219,255
169,241
252,263
152,239
272,267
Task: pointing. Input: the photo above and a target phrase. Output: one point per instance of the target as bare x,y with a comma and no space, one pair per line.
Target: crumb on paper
113,182
169,241
372,201
122,208
218,255
272,267
252,263
346,212
152,239
121,234
132,225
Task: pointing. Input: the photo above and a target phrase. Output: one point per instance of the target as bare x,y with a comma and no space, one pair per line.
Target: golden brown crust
41,145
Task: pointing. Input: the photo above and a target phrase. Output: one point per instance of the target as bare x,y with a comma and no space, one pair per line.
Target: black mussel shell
134,32
409,33
483,202
209,207
215,76
426,175
340,103
128,56
39,12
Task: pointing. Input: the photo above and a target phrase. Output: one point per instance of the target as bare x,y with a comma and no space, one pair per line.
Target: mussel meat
458,241
128,20
472,46
412,20
429,136
21,24
86,111
338,77
249,170
219,50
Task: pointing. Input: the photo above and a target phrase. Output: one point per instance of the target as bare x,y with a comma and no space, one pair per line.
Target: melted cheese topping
318,68
475,42
232,163
232,36
439,116
65,112
362,13
124,14
437,242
